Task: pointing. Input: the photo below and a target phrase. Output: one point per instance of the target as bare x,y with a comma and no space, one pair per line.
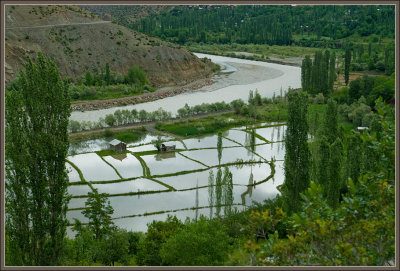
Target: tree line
272,25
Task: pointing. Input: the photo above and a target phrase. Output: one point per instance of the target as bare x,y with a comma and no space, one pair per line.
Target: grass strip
194,160
176,210
146,170
116,171
267,126
162,183
128,193
234,141
83,180
257,135
203,169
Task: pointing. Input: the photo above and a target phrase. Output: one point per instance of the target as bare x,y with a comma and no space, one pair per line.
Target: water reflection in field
73,175
93,168
169,163
126,164
192,188
207,142
137,185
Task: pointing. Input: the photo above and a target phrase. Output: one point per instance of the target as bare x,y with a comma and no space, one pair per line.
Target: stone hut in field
117,145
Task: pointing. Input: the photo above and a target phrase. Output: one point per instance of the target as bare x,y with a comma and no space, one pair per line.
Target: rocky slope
80,41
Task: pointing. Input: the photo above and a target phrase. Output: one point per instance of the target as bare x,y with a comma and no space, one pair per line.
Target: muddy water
267,78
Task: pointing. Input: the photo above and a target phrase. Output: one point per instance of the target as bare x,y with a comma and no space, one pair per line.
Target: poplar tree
37,113
218,191
332,71
325,73
219,147
297,156
347,60
323,161
330,124
211,191
306,74
228,192
353,154
334,173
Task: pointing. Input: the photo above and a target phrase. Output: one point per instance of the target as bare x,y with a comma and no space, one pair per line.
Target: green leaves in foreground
197,244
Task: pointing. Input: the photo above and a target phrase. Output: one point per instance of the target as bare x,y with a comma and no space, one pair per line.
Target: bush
197,244
110,120
367,119
158,233
107,133
74,126
358,113
319,98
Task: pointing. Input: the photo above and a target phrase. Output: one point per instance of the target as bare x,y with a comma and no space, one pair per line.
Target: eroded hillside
80,41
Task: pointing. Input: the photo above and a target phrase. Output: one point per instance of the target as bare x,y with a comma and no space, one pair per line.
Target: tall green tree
353,153
334,173
323,161
107,76
219,147
306,67
218,192
228,191
330,125
347,60
297,156
332,70
211,191
37,113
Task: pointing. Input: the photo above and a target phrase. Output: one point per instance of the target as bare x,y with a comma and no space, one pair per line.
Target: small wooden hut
165,148
117,145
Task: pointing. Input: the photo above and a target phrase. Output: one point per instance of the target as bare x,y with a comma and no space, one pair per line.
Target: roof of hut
115,142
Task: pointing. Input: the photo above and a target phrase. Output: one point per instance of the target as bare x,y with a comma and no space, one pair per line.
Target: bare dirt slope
80,41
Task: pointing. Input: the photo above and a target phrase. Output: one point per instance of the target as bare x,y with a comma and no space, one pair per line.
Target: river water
234,82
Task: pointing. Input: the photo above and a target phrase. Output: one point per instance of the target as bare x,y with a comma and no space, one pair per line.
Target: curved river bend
236,80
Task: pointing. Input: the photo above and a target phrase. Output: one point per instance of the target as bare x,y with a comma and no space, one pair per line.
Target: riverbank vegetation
105,84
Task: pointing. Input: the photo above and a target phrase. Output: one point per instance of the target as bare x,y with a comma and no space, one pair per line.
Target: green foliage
129,137
136,75
37,113
157,143
211,180
114,248
318,26
334,173
74,126
110,120
158,232
316,75
99,212
207,240
347,60
319,98
297,161
219,147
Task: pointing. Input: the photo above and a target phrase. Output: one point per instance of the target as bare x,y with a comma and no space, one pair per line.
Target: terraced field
144,185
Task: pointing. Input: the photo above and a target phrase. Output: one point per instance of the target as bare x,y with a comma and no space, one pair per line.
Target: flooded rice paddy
143,187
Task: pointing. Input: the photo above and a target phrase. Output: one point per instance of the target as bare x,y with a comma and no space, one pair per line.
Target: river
238,77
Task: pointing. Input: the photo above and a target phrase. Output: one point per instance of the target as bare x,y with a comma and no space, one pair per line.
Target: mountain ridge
80,41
